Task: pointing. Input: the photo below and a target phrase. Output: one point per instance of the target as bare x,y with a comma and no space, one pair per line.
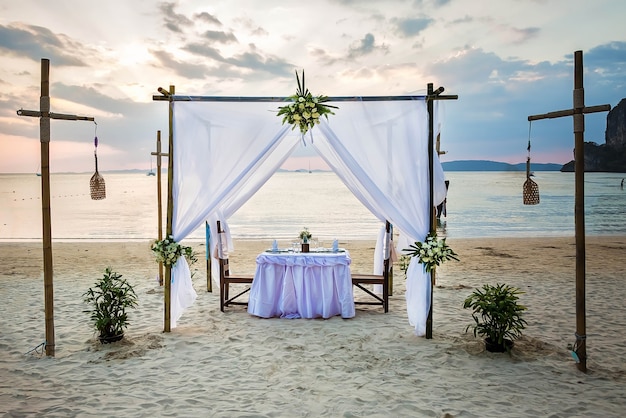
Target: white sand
232,364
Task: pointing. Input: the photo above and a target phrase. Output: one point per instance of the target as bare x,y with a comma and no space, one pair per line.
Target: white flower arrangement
432,252
305,235
305,110
168,251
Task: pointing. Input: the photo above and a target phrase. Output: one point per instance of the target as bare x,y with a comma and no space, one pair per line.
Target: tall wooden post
44,116
431,96
44,135
170,211
159,154
431,198
578,112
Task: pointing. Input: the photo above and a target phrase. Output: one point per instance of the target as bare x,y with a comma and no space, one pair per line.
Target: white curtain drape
225,151
380,151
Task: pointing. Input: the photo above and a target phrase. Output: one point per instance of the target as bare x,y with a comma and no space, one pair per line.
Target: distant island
485,165
609,157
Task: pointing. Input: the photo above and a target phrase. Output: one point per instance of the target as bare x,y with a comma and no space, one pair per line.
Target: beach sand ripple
232,364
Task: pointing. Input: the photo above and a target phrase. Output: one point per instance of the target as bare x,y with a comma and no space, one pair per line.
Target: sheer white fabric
380,151
183,295
224,152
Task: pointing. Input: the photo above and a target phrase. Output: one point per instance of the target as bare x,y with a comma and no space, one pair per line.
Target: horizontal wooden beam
63,116
570,112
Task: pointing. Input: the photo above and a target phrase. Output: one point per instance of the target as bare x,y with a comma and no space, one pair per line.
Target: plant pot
494,347
106,339
305,247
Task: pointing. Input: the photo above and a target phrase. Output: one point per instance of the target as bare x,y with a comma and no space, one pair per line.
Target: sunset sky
505,59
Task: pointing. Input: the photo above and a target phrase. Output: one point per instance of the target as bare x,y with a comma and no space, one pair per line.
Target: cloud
605,68
174,21
208,18
251,26
464,19
519,36
219,36
256,61
366,46
204,50
250,60
409,27
323,57
182,68
610,57
35,42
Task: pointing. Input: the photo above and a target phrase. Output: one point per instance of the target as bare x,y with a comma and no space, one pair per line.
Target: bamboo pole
165,96
431,194
44,133
579,210
170,212
207,246
159,202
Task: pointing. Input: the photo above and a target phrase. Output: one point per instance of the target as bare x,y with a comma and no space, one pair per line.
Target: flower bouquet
305,110
305,235
167,251
432,252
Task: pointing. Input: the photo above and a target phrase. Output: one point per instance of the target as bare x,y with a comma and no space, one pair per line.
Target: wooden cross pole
578,112
159,154
44,116
431,96
167,288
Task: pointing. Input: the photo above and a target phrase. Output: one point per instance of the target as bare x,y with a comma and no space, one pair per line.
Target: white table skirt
302,285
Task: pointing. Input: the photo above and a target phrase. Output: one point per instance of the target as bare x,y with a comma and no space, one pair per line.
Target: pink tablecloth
302,285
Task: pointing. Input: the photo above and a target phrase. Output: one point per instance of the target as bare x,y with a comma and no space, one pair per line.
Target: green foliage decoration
496,312
110,298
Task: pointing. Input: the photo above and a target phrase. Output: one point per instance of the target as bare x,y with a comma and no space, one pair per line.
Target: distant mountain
485,165
609,157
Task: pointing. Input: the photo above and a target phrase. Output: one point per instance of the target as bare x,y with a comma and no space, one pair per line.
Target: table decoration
305,236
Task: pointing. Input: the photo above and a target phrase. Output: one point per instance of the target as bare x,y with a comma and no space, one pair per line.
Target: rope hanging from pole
531,189
96,184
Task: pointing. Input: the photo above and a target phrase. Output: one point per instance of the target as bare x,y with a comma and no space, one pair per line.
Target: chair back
387,248
222,251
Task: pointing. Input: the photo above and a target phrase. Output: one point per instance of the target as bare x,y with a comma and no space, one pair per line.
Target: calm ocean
480,204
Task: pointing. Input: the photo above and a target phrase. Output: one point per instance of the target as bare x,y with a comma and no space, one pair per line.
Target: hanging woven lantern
531,192
96,184
531,189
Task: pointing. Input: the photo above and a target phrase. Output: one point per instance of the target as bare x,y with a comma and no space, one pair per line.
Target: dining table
316,284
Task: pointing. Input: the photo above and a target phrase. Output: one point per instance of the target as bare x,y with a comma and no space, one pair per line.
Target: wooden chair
225,278
362,280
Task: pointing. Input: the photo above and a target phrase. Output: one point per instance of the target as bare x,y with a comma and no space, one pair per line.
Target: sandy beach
234,365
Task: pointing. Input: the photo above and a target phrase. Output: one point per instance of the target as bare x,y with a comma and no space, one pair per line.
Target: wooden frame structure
44,116
578,111
170,96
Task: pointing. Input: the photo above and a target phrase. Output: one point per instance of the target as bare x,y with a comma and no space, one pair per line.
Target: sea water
479,204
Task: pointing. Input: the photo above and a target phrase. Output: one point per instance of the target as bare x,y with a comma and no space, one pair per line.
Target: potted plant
110,297
497,316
